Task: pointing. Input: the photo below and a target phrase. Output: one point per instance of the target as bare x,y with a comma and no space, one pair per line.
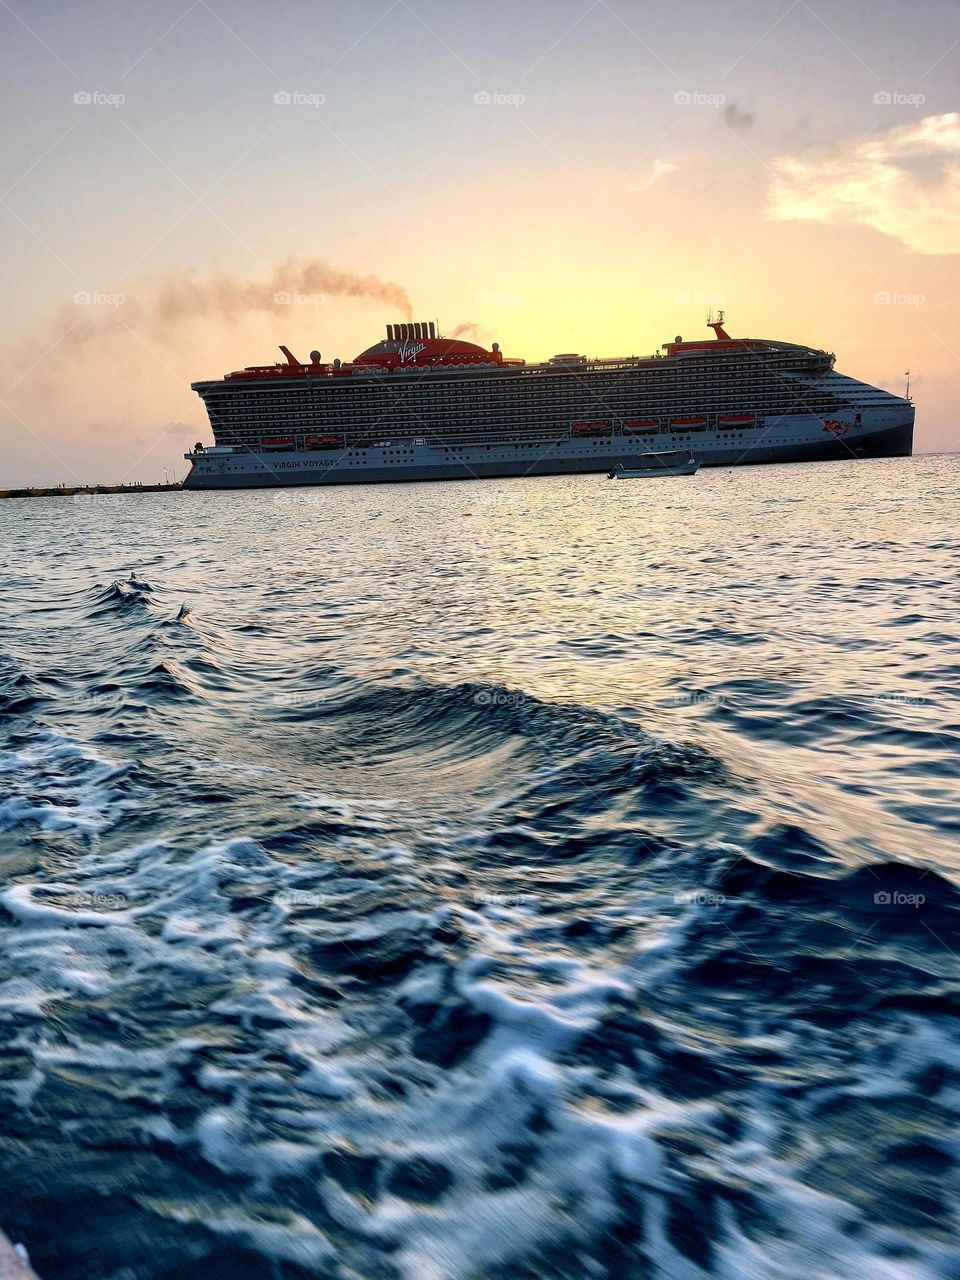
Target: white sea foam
61,784
585,1136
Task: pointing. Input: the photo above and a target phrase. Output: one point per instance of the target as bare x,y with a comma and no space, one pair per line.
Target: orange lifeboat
592,427
688,424
640,426
277,442
324,442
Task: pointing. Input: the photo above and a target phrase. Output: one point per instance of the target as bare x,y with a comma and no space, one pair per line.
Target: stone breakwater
88,490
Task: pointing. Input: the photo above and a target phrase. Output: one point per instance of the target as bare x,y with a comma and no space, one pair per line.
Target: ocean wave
118,598
579,915
516,1070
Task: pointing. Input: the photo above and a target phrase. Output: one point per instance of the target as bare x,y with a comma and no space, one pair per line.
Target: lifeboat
640,426
592,427
688,424
324,442
277,442
737,420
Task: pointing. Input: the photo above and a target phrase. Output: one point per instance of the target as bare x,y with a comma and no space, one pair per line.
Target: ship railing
363,437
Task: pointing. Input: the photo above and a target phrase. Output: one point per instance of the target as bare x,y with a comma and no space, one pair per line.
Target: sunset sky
564,176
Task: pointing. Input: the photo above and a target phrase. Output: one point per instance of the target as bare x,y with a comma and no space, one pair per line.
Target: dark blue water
484,881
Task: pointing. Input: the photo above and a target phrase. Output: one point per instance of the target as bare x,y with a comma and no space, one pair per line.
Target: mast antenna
717,325
907,376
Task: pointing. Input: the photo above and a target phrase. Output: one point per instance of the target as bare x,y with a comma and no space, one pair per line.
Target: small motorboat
670,463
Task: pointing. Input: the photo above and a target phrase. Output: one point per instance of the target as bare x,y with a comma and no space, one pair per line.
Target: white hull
883,431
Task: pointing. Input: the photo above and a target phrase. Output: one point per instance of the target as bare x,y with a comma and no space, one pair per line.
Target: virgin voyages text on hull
421,407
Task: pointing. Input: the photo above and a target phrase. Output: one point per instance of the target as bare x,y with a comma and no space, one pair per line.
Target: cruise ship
419,406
